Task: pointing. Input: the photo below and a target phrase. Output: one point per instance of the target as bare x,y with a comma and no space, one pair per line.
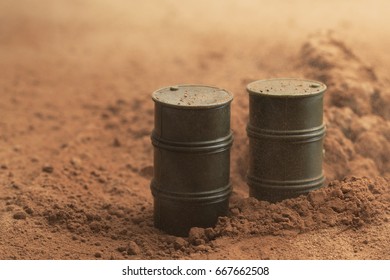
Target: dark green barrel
286,132
192,140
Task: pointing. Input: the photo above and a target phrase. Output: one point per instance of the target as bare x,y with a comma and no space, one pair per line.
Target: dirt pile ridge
351,203
357,108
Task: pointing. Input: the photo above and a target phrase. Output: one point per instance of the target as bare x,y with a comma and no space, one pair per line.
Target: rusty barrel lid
192,116
285,105
286,88
192,96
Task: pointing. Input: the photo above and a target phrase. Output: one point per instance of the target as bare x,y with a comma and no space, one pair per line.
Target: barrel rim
268,94
205,147
184,106
209,196
293,186
298,136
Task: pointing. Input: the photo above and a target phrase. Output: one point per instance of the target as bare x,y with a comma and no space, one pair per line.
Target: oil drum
286,133
192,141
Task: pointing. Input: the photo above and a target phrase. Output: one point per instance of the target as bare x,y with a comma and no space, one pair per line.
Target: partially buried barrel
286,132
192,140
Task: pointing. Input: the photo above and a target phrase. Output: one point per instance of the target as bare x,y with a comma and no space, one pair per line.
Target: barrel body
192,140
286,132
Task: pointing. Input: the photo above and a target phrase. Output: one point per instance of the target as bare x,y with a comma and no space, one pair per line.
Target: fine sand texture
76,116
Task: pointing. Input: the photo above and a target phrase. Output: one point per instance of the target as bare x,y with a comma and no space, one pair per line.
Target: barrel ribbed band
285,186
213,146
299,136
207,197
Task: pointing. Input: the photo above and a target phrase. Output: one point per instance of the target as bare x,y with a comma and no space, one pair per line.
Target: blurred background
158,43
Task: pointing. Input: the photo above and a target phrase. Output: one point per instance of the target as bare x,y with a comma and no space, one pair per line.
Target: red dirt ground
76,116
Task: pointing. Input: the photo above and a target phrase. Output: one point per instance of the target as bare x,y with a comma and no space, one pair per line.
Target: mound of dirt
357,109
350,204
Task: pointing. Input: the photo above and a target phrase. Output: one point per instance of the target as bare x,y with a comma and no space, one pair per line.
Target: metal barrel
192,140
286,132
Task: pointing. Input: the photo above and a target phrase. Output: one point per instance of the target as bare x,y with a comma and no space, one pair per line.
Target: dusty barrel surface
192,140
286,132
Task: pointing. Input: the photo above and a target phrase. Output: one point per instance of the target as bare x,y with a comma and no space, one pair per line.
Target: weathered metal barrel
192,140
286,132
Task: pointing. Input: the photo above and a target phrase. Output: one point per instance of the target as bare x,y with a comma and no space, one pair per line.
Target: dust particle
197,236
121,249
116,143
133,248
20,216
180,243
47,168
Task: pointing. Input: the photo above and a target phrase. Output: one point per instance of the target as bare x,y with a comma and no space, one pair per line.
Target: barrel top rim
286,88
192,96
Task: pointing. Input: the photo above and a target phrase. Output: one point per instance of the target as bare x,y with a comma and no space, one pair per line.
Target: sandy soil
76,116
